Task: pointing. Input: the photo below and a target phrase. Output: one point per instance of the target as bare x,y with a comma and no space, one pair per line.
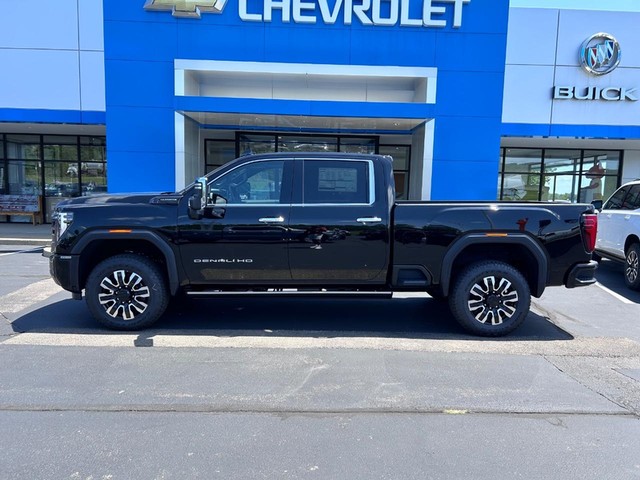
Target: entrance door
339,232
249,244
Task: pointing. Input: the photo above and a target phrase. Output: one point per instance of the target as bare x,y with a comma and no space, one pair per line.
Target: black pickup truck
315,224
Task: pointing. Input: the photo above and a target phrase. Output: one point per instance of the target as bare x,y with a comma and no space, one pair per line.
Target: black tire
126,292
632,267
483,304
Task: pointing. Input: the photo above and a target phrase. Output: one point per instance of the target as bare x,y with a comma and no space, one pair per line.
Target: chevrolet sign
368,12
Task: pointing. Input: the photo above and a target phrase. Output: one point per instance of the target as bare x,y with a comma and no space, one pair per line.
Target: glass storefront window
606,162
94,177
58,182
218,152
59,185
520,186
521,174
523,160
60,148
559,188
31,159
94,182
561,175
560,182
23,147
307,144
562,161
599,178
254,144
93,149
401,155
358,145
24,177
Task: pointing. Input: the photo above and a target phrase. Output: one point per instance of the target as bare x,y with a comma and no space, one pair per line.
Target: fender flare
151,237
481,238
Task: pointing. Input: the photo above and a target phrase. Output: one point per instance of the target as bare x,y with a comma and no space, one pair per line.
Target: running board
290,293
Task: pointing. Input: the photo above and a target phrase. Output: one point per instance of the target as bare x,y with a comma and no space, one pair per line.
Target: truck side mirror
198,200
597,204
195,203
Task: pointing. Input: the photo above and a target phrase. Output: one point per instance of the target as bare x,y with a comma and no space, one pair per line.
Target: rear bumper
582,274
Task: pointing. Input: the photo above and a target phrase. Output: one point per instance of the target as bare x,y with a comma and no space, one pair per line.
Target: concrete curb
25,241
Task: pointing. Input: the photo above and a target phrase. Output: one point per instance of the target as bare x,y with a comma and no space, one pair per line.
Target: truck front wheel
126,292
490,299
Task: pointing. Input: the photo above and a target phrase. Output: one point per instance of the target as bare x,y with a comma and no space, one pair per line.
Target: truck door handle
271,220
627,217
366,220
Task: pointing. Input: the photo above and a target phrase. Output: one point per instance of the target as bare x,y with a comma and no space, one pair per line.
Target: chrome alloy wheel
493,300
632,266
124,294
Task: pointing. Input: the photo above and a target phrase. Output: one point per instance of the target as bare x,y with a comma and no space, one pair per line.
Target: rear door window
615,202
336,182
632,200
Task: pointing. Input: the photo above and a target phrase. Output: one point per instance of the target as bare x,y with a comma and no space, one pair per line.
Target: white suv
619,231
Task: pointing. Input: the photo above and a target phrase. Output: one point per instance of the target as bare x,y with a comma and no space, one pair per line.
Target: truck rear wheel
127,292
490,299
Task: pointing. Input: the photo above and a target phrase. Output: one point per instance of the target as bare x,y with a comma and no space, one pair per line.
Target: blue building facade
431,72
474,99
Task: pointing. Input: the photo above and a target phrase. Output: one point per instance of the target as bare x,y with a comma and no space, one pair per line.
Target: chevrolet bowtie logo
187,8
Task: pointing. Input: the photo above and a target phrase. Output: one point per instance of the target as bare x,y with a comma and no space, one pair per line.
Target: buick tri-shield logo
187,8
600,54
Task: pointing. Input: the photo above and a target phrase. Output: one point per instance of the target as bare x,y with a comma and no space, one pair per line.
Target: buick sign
600,54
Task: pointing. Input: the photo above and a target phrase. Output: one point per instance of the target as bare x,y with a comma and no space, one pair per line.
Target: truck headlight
63,220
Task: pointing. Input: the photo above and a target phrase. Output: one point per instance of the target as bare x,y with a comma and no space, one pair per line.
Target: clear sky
617,5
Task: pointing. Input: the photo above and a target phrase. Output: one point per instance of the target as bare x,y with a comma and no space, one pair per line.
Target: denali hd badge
222,260
600,54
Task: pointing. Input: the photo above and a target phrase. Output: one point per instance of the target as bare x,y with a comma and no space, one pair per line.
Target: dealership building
474,99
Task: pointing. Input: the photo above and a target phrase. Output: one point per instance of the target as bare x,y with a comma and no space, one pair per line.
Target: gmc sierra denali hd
315,223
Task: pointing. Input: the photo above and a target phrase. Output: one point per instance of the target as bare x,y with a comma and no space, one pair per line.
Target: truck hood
157,198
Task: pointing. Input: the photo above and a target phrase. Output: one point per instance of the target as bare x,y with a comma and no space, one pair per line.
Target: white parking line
21,251
290,340
615,295
27,296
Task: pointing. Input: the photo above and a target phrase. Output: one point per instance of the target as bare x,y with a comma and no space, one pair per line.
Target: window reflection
288,143
23,147
54,166
401,155
599,178
559,175
256,144
24,178
358,145
218,152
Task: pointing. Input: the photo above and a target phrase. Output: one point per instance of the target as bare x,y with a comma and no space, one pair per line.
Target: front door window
255,183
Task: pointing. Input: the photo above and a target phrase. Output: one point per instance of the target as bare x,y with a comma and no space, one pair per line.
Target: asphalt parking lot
322,388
